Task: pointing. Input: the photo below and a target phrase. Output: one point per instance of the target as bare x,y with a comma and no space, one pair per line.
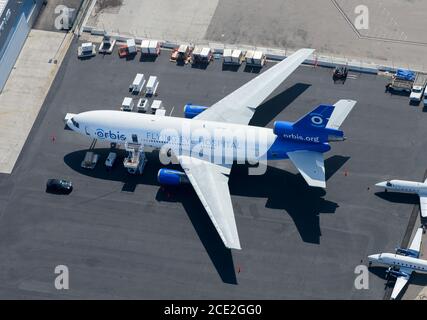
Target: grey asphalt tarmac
123,236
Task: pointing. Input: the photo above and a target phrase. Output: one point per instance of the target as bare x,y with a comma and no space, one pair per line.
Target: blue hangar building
16,19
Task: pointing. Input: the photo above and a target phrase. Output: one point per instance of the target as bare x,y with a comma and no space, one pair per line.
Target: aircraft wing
403,280
423,205
400,283
210,181
416,242
341,111
311,166
239,106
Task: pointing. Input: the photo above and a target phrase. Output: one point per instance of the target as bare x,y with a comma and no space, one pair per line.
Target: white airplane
402,263
419,188
303,142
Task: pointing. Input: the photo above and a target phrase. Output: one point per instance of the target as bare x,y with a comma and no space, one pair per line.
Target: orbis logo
296,136
101,134
317,120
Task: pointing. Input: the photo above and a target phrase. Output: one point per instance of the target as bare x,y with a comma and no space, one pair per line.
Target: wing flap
240,105
311,166
340,113
210,181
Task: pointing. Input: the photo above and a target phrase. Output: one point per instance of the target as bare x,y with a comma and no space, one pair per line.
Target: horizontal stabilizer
311,166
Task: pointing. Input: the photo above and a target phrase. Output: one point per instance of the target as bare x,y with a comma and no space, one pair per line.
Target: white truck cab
418,88
156,105
416,93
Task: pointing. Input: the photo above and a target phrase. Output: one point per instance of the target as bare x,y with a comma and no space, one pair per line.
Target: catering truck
402,81
86,50
151,87
137,84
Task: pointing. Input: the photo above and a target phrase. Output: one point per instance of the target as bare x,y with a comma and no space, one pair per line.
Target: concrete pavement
26,89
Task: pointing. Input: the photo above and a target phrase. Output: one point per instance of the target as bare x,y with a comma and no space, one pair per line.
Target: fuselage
404,186
219,141
399,261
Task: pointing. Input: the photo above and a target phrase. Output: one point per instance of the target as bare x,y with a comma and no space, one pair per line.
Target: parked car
59,186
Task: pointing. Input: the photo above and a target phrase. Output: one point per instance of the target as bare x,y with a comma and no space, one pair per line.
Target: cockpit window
389,184
75,123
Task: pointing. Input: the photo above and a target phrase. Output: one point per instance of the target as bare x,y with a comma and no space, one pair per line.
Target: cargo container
255,58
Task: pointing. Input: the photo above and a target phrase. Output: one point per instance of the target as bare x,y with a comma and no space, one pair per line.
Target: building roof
3,4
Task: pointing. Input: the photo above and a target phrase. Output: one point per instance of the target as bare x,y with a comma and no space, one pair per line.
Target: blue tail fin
318,118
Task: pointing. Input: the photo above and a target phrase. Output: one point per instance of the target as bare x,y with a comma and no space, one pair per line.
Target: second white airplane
419,188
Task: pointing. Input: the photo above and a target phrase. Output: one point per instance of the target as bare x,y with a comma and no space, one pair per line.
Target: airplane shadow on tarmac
283,190
271,108
289,192
397,197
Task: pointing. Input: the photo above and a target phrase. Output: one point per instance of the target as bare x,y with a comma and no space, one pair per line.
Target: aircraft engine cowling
283,127
407,252
395,273
170,177
190,110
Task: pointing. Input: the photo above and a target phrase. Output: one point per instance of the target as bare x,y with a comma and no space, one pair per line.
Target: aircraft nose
69,123
67,118
381,184
373,257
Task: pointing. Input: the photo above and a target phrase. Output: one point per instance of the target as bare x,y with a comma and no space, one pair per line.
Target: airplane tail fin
316,119
341,110
327,116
